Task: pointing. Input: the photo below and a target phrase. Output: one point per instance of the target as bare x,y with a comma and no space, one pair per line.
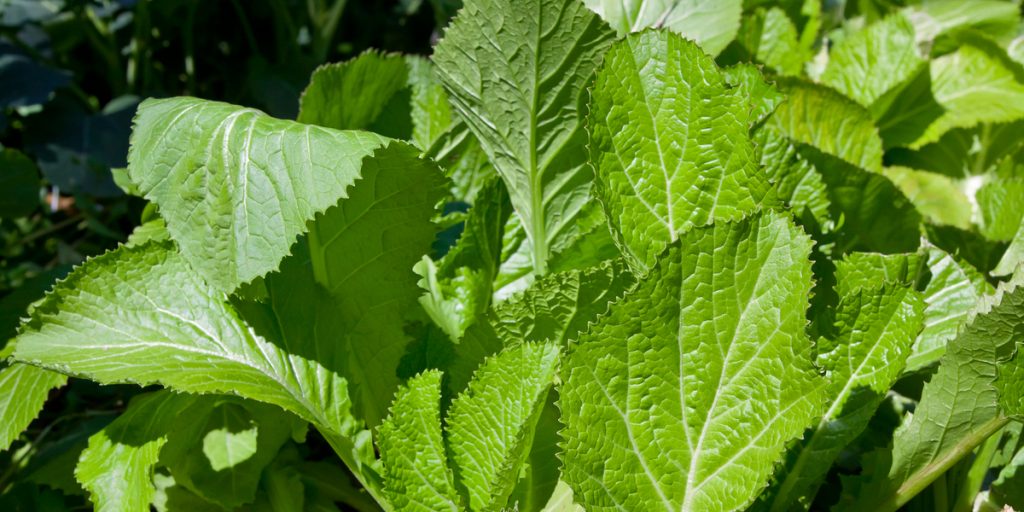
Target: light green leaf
656,401
1010,383
936,17
710,23
23,391
491,425
351,95
416,472
975,84
762,97
235,186
670,144
1014,255
874,329
779,47
872,62
954,290
797,183
958,409
117,467
939,198
519,82
1001,204
872,269
834,124
431,114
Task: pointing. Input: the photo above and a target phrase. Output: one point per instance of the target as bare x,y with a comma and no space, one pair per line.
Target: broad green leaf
519,83
874,329
1001,204
117,467
491,424
797,183
542,469
1008,488
958,409
710,23
351,95
235,186
431,113
939,198
821,117
1010,383
23,391
416,472
872,62
871,270
19,184
779,47
669,140
953,291
910,112
762,97
975,84
657,398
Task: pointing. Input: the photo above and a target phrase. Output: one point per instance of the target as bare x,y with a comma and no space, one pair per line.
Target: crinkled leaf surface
710,23
235,186
874,330
416,471
516,73
491,425
819,116
669,140
351,95
959,406
657,399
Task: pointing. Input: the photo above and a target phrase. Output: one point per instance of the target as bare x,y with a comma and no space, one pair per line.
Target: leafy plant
633,256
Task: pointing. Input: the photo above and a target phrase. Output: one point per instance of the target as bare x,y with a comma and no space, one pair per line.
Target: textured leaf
351,95
872,62
797,183
670,144
1014,255
779,47
1010,383
117,467
821,117
1001,202
416,472
517,79
937,17
657,399
953,292
974,84
23,391
237,187
958,409
763,97
491,425
431,114
875,328
710,23
871,270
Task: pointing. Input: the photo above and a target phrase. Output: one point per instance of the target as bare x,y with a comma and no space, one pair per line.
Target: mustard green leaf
23,392
710,23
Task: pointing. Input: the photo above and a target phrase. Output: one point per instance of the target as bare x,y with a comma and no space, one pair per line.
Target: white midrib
537,228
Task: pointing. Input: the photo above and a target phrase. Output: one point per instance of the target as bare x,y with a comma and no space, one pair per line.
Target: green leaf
19,184
958,409
237,187
1014,255
763,97
518,82
937,17
778,46
1010,384
431,114
416,472
670,144
24,389
952,293
797,183
975,84
871,269
875,327
711,24
832,123
117,467
1001,202
491,425
872,62
939,198
657,399
351,95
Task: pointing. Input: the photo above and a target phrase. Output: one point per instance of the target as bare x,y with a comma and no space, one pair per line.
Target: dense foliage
663,255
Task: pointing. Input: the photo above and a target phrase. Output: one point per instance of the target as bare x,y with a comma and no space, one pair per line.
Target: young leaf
875,328
235,186
416,472
670,144
518,82
657,401
491,424
710,23
23,391
959,407
117,467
